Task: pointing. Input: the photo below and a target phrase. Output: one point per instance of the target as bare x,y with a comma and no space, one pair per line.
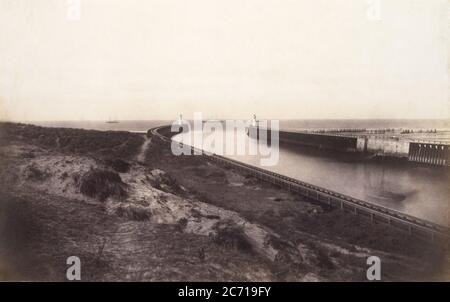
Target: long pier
319,140
413,226
430,153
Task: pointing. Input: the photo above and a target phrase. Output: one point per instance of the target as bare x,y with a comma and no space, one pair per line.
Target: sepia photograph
224,142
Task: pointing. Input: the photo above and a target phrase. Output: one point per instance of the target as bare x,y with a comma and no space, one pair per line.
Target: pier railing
413,226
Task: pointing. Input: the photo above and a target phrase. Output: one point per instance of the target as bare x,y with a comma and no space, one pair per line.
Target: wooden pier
429,153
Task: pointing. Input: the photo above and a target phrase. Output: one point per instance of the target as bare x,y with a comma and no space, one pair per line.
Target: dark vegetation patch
101,184
133,213
232,236
212,216
18,228
197,214
118,165
166,183
323,257
181,224
105,144
33,172
28,154
286,249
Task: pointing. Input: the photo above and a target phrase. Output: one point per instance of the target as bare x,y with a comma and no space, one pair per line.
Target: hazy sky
153,59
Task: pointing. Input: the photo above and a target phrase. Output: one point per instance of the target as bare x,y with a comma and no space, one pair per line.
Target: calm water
416,190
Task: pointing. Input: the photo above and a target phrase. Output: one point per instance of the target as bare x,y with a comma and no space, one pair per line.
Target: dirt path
141,155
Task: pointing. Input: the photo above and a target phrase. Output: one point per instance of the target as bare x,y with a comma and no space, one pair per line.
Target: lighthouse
254,121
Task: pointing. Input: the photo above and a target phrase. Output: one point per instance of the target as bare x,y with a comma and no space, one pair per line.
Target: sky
281,59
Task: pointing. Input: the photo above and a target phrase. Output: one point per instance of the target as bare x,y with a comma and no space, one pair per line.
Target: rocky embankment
132,211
